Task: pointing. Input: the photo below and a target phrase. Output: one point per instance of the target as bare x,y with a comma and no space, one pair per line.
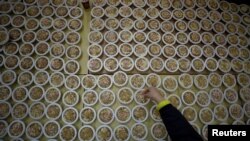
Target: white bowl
142,83
56,47
99,118
56,75
73,43
180,81
37,47
219,95
170,78
128,68
110,50
53,62
95,55
109,79
100,128
241,111
9,109
86,126
84,121
77,16
107,96
171,70
11,57
246,109
42,114
200,116
231,96
45,76
47,92
23,128
65,120
143,40
153,108
204,97
142,48
108,68
145,128
245,77
17,90
202,67
129,116
178,98
89,76
44,19
166,55
127,32
90,104
152,131
90,64
180,48
113,23
157,84
119,92
55,134
53,118
4,126
139,120
29,130
114,11
77,67
97,21
75,29
121,126
155,27
76,97
195,115
14,114
25,73
217,76
186,69
68,126
158,60
145,100
233,78
126,53
74,56
111,32
183,97
74,87
154,50
58,32
225,110
125,77
3,89
196,79
31,41
141,68
42,57
214,69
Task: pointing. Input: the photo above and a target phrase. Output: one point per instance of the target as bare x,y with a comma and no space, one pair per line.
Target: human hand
153,94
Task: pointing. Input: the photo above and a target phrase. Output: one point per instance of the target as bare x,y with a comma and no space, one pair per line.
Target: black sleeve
177,126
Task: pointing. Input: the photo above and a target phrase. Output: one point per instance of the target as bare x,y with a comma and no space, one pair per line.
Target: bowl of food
72,82
95,37
231,96
167,26
189,14
139,113
106,97
97,24
237,65
122,132
95,51
153,80
154,37
111,64
56,64
140,37
189,113
125,95
215,80
217,95
120,78
88,81
20,94
125,36
178,14
181,26
53,111
125,11
87,115
105,115
57,79
206,24
8,77
142,64
175,100
86,132
41,78
111,36
126,64
6,109
111,50
95,65
140,50
11,62
57,50
229,80
34,130
126,49
6,92
195,51
188,97
206,115
113,23
70,115
111,11
154,113
208,51
68,132
236,111
170,84
52,95
140,99
224,65
51,129
140,24
185,80
182,38
198,64
70,98
104,81
90,97
153,24
168,39
4,128
203,99
220,112
243,79
75,12
182,51
71,67
36,93
16,129
25,78
158,131
171,65
37,110
122,114
104,132
139,131
156,64
137,81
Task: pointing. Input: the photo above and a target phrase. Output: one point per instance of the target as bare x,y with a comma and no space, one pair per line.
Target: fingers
144,92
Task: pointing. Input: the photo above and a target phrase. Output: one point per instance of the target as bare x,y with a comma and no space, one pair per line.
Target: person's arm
177,126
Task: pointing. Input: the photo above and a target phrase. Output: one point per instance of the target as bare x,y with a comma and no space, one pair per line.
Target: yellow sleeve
162,104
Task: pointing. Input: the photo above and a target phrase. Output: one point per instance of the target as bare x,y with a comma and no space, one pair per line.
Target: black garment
177,126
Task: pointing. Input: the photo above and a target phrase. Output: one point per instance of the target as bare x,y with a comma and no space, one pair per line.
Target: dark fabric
177,126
